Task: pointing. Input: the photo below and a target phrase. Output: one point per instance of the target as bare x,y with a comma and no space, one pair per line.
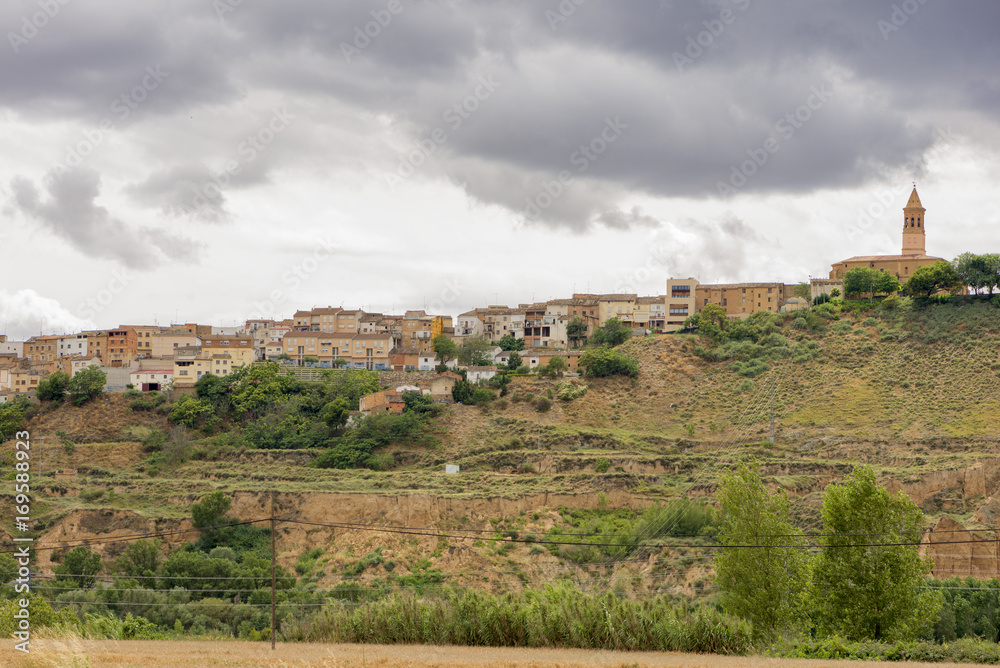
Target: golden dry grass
119,654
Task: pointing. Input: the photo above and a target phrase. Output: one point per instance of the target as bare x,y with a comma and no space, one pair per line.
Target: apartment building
42,348
165,343
239,348
123,346
72,344
15,348
741,299
371,351
419,329
189,368
649,313
681,302
144,338
97,343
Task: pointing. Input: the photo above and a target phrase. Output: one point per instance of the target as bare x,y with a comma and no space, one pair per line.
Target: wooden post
273,579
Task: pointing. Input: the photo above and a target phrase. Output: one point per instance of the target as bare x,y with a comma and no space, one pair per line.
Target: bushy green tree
79,567
869,574
12,416
444,348
767,582
189,411
336,413
140,560
860,281
54,387
254,389
476,351
513,361
576,331
86,384
558,363
209,513
979,272
351,385
928,280
601,362
510,342
613,333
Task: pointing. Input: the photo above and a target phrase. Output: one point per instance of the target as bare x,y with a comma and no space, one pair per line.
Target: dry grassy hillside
912,393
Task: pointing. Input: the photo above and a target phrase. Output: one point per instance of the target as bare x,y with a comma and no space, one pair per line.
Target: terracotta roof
914,201
651,300
888,258
728,286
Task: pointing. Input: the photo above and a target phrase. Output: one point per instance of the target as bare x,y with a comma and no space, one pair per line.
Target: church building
914,253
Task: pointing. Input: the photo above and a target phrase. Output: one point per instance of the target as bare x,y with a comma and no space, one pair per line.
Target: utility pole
772,410
273,579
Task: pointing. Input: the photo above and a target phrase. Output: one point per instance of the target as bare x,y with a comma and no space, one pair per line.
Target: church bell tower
913,226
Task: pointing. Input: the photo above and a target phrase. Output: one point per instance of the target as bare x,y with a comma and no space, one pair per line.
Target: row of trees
865,583
86,384
979,272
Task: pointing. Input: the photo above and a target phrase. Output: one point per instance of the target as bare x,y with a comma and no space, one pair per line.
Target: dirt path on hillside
101,653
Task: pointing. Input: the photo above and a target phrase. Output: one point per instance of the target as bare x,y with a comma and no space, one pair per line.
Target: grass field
126,654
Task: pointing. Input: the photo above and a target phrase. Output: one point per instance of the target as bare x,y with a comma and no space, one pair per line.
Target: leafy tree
613,333
860,281
86,384
886,283
765,584
189,411
8,568
336,413
213,389
352,385
209,513
79,567
576,331
510,342
476,351
141,559
601,362
557,364
258,387
54,387
931,279
462,392
308,359
12,416
834,293
444,348
979,272
869,574
417,402
513,361
499,382
802,291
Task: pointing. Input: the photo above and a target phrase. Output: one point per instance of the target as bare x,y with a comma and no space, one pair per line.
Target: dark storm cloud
814,94
71,213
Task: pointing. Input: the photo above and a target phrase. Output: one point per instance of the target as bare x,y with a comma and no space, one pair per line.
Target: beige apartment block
166,343
97,343
42,348
239,347
680,302
742,299
649,313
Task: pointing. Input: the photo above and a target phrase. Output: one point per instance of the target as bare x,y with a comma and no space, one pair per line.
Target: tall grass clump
558,616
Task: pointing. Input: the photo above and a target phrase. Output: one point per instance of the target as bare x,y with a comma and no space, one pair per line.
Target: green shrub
542,405
602,466
603,362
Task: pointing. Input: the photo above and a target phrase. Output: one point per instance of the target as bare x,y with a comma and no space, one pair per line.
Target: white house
475,374
151,379
74,344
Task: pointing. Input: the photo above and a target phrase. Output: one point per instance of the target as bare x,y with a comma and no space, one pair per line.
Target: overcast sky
207,162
